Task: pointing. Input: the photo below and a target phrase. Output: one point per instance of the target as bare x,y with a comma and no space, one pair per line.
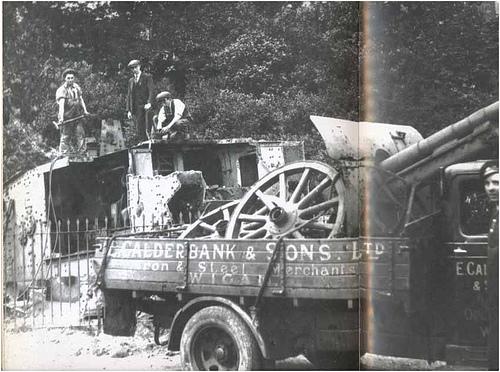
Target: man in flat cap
71,105
172,116
139,99
489,173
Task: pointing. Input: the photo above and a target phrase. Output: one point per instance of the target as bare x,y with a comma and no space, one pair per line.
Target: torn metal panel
148,199
141,162
161,200
272,155
351,140
111,137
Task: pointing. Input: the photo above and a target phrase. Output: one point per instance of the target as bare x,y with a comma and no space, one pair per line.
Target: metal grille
49,270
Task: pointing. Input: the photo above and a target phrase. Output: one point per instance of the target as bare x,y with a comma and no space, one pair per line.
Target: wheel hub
278,216
282,218
220,353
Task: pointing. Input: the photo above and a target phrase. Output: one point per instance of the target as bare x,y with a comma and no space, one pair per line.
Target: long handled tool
58,125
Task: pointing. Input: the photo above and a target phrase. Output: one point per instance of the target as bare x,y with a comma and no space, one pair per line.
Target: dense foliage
431,64
249,69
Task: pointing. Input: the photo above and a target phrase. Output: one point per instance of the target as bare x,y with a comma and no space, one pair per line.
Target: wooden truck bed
320,269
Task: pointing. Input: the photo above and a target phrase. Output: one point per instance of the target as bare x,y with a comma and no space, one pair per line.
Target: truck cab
434,303
466,214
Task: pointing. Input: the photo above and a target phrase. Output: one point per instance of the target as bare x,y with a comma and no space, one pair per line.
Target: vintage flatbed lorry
382,252
245,253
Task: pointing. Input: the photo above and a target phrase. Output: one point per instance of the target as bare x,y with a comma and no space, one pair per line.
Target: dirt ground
79,348
82,348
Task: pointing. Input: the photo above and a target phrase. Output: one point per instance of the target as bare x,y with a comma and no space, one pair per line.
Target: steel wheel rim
318,194
213,349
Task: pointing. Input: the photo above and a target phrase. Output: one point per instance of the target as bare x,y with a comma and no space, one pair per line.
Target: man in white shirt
172,117
71,105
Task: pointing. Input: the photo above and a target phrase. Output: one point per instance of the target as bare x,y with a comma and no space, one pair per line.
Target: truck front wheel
216,339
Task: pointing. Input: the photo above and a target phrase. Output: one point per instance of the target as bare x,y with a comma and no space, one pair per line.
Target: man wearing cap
172,117
489,173
139,98
71,105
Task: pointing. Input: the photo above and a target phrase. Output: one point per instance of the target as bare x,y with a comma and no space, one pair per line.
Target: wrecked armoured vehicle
295,256
114,188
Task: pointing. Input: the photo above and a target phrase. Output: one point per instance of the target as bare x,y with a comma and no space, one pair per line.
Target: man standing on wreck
70,115
139,100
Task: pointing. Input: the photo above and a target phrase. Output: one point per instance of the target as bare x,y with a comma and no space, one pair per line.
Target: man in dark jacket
139,100
490,177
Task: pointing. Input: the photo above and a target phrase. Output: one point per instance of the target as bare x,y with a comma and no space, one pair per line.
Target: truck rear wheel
216,339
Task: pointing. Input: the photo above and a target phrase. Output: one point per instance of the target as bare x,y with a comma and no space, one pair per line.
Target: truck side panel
321,268
312,268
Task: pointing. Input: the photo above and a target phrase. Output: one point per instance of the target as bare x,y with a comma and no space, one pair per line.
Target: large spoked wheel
283,200
216,339
206,225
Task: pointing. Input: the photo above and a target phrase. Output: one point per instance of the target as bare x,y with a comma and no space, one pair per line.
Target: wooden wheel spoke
318,207
300,186
265,199
262,210
298,235
320,226
251,226
315,192
282,182
252,217
207,226
255,234
226,214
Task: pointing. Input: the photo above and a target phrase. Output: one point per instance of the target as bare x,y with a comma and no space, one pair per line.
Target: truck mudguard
183,315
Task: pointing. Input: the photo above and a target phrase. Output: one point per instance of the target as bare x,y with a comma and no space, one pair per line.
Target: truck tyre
215,339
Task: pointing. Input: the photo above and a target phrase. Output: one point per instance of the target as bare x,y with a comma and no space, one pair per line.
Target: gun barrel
427,146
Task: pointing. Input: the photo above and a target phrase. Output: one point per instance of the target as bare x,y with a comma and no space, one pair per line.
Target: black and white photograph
285,185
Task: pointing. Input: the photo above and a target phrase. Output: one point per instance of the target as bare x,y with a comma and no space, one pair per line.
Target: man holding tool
72,110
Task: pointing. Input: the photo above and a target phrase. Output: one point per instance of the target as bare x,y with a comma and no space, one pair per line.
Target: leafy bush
254,69
255,63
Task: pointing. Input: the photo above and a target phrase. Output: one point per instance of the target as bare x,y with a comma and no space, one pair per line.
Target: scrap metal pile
300,200
304,199
377,166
